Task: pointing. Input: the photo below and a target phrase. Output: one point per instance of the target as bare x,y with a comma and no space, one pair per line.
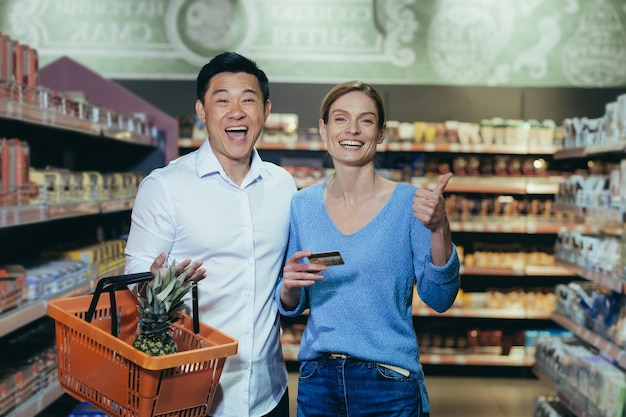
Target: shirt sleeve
152,228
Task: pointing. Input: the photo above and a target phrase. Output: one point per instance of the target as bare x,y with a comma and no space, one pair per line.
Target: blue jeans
352,388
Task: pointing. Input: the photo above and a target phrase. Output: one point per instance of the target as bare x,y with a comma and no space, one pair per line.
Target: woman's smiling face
352,131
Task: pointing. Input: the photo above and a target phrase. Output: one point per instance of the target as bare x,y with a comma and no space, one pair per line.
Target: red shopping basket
98,364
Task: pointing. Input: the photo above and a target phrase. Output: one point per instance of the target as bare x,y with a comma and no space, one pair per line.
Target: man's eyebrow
247,90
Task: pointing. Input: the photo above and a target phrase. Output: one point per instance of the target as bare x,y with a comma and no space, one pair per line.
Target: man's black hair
230,62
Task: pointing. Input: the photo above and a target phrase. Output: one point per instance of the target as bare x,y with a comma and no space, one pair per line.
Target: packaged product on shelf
17,72
406,132
50,277
32,75
51,183
487,133
611,125
198,131
418,131
272,128
6,62
14,174
392,133
12,281
289,123
451,131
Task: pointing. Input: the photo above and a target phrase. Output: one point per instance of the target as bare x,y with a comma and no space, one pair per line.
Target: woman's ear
382,133
322,129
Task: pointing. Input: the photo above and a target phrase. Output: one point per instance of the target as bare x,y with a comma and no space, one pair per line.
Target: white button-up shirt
191,209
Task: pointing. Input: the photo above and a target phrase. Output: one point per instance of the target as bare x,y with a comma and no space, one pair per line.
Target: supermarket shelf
607,349
476,359
111,206
572,405
451,359
613,283
494,184
545,378
503,224
399,147
568,209
525,270
468,148
21,215
37,403
589,229
25,113
63,211
594,150
16,318
34,115
490,313
129,137
555,271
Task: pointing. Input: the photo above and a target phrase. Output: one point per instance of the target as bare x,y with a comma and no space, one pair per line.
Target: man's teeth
237,129
351,143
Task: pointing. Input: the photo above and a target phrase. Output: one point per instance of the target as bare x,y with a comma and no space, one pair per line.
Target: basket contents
159,309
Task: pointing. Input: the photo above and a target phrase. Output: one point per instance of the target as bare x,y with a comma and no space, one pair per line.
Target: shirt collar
207,164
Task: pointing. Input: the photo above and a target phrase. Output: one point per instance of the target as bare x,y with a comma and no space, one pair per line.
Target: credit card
326,258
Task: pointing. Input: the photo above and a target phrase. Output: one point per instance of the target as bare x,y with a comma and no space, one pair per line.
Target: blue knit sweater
363,308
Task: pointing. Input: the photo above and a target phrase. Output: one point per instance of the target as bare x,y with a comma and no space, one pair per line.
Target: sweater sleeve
438,286
293,246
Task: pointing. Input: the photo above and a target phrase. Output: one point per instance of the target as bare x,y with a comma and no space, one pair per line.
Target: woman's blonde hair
347,87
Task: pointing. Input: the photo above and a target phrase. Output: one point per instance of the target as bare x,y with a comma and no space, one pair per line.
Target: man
226,208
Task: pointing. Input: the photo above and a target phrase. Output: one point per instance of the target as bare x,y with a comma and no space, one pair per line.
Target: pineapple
159,308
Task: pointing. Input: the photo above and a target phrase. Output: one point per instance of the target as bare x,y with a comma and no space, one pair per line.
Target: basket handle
120,282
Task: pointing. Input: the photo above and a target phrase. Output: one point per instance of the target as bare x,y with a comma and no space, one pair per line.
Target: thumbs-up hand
429,206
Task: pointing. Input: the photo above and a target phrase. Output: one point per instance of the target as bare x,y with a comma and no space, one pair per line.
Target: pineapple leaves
159,308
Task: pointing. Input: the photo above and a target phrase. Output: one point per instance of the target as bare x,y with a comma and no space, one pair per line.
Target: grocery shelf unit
451,342
61,141
614,282
466,229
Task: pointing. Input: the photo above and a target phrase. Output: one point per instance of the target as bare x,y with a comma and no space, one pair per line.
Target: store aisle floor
470,396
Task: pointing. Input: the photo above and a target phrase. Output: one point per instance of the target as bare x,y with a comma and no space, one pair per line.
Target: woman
359,353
